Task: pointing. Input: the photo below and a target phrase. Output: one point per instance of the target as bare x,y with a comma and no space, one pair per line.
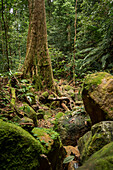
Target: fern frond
103,60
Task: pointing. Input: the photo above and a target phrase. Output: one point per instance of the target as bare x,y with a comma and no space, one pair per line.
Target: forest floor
18,98
16,92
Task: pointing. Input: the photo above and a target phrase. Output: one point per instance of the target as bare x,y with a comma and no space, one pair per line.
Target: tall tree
37,62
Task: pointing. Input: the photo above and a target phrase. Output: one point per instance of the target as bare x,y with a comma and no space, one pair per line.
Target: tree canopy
94,39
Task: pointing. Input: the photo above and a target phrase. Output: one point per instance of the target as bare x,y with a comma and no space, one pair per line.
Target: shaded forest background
94,38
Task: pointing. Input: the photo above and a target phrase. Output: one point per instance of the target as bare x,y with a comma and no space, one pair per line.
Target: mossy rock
18,149
29,112
71,128
100,135
47,137
101,160
95,79
52,143
97,96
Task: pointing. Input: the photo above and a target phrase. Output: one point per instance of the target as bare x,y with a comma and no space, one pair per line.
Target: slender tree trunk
37,62
3,52
69,36
75,42
19,52
5,29
69,33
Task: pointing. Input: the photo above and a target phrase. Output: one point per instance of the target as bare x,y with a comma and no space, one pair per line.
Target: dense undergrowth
22,104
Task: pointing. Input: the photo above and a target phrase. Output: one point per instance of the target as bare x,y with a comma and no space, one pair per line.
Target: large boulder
100,135
101,160
71,128
20,150
97,96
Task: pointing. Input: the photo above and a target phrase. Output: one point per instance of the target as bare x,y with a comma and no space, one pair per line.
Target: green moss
95,79
59,115
94,140
18,149
45,94
30,113
101,160
97,142
47,137
52,143
85,144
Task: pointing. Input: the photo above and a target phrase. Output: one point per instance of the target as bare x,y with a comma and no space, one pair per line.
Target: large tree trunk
37,62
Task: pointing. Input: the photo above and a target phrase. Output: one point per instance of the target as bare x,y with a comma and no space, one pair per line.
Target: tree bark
37,62
6,40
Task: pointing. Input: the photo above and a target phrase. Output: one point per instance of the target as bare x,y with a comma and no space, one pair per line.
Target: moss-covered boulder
52,143
101,160
100,135
18,149
97,96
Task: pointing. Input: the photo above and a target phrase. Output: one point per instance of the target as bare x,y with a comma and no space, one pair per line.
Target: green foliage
46,136
60,25
16,20
94,36
59,63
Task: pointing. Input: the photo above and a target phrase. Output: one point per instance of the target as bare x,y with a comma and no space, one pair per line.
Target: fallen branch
65,107
59,99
